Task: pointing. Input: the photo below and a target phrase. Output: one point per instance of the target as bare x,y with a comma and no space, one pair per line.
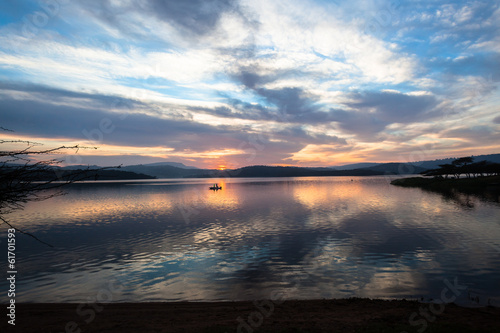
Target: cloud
371,112
394,107
200,76
60,96
365,126
485,65
52,113
290,101
45,119
476,135
251,77
366,114
191,19
285,105
298,133
195,16
49,112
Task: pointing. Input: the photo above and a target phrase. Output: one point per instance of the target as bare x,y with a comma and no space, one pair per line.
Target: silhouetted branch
23,180
24,232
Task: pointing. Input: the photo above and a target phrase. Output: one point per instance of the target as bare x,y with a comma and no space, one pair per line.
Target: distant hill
433,164
428,164
355,166
278,171
396,168
179,170
165,171
80,173
80,167
116,175
174,164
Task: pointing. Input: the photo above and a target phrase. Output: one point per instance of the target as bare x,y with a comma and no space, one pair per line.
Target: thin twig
24,232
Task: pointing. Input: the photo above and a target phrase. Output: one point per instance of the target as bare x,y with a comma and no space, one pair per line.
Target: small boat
216,187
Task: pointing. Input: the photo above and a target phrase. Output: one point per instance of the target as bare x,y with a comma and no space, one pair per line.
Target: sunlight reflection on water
306,237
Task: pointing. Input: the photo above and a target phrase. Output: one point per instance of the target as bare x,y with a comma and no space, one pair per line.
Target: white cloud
440,37
299,31
324,51
489,45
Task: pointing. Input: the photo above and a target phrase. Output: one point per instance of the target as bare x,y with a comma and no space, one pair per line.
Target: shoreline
341,315
476,183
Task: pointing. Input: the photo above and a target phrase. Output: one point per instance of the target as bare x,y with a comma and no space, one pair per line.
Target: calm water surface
303,238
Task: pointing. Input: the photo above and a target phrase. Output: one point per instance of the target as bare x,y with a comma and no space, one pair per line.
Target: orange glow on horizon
229,159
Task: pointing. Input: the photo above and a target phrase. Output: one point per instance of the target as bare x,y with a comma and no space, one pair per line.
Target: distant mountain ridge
179,170
355,166
280,171
165,171
396,168
174,164
77,172
427,164
495,158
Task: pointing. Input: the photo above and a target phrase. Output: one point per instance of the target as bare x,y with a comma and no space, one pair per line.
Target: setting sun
248,165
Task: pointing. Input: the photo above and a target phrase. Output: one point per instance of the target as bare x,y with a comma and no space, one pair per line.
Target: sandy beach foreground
348,315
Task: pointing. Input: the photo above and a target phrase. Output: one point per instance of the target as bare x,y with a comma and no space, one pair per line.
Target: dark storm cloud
496,120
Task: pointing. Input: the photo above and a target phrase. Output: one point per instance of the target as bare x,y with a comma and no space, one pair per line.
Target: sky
230,83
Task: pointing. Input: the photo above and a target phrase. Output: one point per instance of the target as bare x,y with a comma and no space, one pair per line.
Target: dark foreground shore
349,315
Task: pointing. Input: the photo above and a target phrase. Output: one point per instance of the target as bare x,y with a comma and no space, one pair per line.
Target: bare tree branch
24,232
22,179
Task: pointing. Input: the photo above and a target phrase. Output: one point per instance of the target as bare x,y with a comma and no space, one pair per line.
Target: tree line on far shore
465,166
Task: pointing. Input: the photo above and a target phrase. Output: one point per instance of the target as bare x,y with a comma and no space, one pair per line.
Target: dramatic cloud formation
239,82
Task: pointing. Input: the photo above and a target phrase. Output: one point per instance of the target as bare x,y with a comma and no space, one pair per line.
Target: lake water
301,238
